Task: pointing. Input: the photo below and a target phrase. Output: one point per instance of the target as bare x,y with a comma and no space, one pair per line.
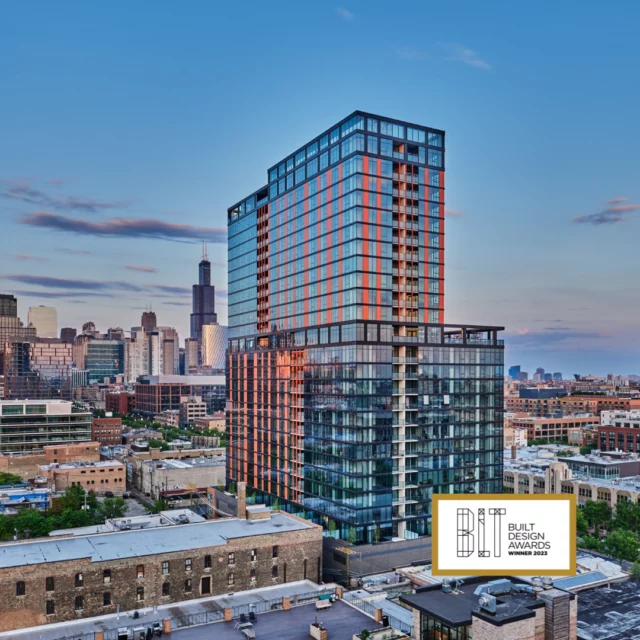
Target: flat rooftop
610,613
342,621
286,625
137,544
457,609
192,380
100,464
186,463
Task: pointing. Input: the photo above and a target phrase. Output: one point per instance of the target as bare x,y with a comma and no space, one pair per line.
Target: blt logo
474,529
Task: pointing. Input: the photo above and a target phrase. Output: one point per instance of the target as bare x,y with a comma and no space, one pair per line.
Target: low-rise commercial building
28,464
582,436
120,402
156,394
191,407
620,431
26,425
515,437
55,580
216,421
100,477
570,405
552,428
17,499
510,609
173,477
587,477
107,430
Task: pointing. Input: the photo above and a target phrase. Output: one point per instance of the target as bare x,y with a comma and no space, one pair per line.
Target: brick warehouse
91,576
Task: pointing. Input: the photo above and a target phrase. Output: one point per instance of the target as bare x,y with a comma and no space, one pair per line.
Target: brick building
540,407
120,402
100,477
156,394
510,610
94,575
107,430
552,428
27,464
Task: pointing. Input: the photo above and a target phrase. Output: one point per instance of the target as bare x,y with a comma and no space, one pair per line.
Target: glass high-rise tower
350,400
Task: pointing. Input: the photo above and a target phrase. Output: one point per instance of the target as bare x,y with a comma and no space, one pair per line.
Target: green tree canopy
10,478
113,508
622,545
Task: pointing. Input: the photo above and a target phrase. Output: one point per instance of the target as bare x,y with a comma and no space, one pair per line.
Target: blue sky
120,121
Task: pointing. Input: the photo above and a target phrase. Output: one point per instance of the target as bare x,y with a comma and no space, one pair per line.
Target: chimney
242,500
514,452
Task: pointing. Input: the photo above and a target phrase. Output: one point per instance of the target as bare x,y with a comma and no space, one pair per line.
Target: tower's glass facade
350,401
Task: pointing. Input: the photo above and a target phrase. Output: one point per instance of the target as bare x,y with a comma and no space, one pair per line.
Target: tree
591,542
622,545
597,514
72,498
627,516
159,505
332,527
582,526
10,478
113,508
33,521
352,536
635,571
156,443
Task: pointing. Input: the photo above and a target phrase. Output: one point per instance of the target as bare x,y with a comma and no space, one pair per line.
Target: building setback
155,394
349,399
94,575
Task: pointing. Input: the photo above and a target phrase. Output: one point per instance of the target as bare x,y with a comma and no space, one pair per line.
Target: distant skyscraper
105,359
349,399
11,326
8,305
204,305
557,375
45,320
67,334
514,371
190,355
149,321
136,355
38,369
548,377
214,346
540,372
89,329
115,333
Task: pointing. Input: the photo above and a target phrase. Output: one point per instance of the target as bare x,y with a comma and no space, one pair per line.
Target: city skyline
93,186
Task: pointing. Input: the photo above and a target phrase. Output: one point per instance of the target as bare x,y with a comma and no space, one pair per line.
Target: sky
127,129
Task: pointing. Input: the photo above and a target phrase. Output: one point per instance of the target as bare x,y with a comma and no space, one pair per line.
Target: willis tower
204,306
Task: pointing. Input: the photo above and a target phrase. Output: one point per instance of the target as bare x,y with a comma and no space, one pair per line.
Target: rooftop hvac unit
488,603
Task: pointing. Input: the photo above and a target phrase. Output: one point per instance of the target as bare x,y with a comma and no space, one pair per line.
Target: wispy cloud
615,212
97,287
561,337
409,53
459,53
70,283
25,192
139,267
453,212
168,289
73,252
176,304
345,14
125,227
60,294
27,256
